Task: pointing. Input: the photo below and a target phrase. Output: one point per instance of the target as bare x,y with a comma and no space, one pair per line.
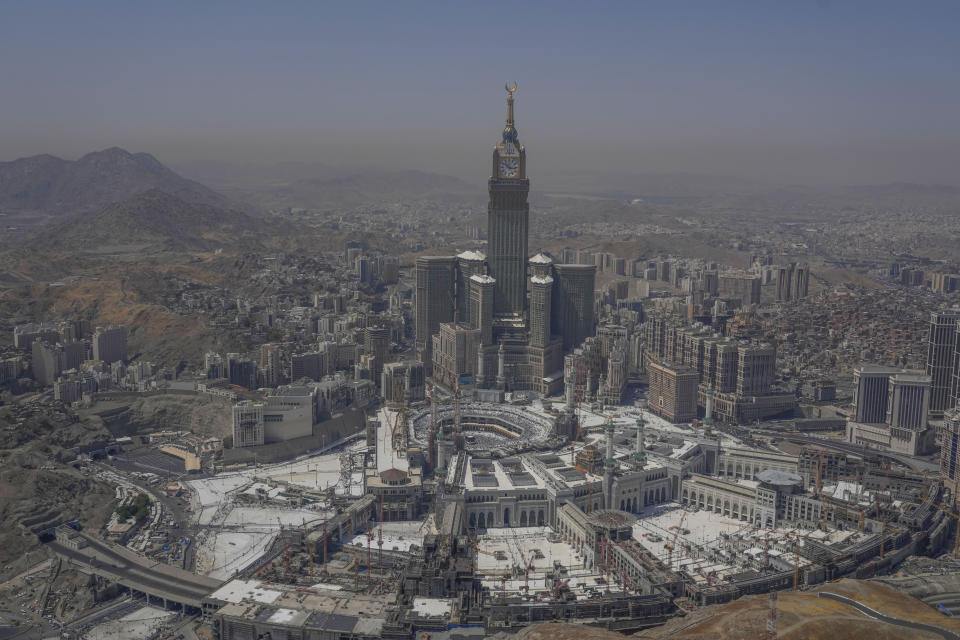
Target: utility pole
772,617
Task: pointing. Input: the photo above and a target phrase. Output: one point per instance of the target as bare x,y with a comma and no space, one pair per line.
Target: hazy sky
793,91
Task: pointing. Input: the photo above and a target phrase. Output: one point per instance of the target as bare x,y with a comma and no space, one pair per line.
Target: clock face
509,167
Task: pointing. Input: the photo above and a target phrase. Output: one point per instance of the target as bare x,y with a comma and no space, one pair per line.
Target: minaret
640,455
708,414
570,391
481,379
501,377
609,465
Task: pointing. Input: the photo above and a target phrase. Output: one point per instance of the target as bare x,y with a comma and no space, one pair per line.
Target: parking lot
151,460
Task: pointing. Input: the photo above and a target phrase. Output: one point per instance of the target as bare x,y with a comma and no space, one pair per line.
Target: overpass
118,564
912,463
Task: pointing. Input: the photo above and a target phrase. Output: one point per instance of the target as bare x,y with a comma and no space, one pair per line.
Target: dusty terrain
803,615
205,416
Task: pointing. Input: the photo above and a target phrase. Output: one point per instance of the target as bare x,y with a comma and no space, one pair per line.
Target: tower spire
510,101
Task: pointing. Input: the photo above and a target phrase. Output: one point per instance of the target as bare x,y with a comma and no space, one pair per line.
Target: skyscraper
481,306
270,364
435,299
950,449
508,219
469,264
573,319
908,401
110,344
871,386
801,282
784,283
376,343
526,309
541,297
941,354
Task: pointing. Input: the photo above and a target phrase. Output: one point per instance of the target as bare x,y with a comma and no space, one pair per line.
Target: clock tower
508,216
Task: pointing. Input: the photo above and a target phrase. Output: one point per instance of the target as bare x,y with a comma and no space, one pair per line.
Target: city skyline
271,366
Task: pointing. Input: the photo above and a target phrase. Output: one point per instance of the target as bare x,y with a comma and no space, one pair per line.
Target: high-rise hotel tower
504,311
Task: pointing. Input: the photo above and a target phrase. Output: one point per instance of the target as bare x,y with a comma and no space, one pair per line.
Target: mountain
55,186
317,186
160,220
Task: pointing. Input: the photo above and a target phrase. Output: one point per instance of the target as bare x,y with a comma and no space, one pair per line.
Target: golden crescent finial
506,85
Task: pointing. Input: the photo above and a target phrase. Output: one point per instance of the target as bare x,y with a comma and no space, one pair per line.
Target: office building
755,369
47,361
784,283
871,386
908,401
573,313
403,382
455,354
241,371
311,365
289,412
891,408
941,359
950,449
481,306
110,344
376,343
469,264
435,299
541,300
248,424
741,286
270,364
24,335
801,282
673,391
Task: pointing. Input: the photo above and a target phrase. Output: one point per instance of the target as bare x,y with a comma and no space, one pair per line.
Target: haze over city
453,321
801,92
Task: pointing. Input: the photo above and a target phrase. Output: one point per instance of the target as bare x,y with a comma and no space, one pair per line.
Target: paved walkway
943,633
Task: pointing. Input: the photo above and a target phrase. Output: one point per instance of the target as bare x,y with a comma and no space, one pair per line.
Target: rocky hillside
53,185
160,220
38,488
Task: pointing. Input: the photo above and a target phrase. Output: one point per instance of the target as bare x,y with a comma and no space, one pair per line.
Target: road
125,567
876,615
916,464
175,507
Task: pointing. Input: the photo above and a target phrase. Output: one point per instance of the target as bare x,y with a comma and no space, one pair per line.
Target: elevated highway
912,463
126,568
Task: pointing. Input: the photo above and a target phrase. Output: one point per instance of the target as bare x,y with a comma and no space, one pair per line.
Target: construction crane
820,475
323,570
380,541
457,443
673,543
526,572
883,534
772,616
307,543
709,576
623,579
797,537
477,549
559,587
432,441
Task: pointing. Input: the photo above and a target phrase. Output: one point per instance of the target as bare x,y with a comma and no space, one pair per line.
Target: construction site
467,516
473,517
